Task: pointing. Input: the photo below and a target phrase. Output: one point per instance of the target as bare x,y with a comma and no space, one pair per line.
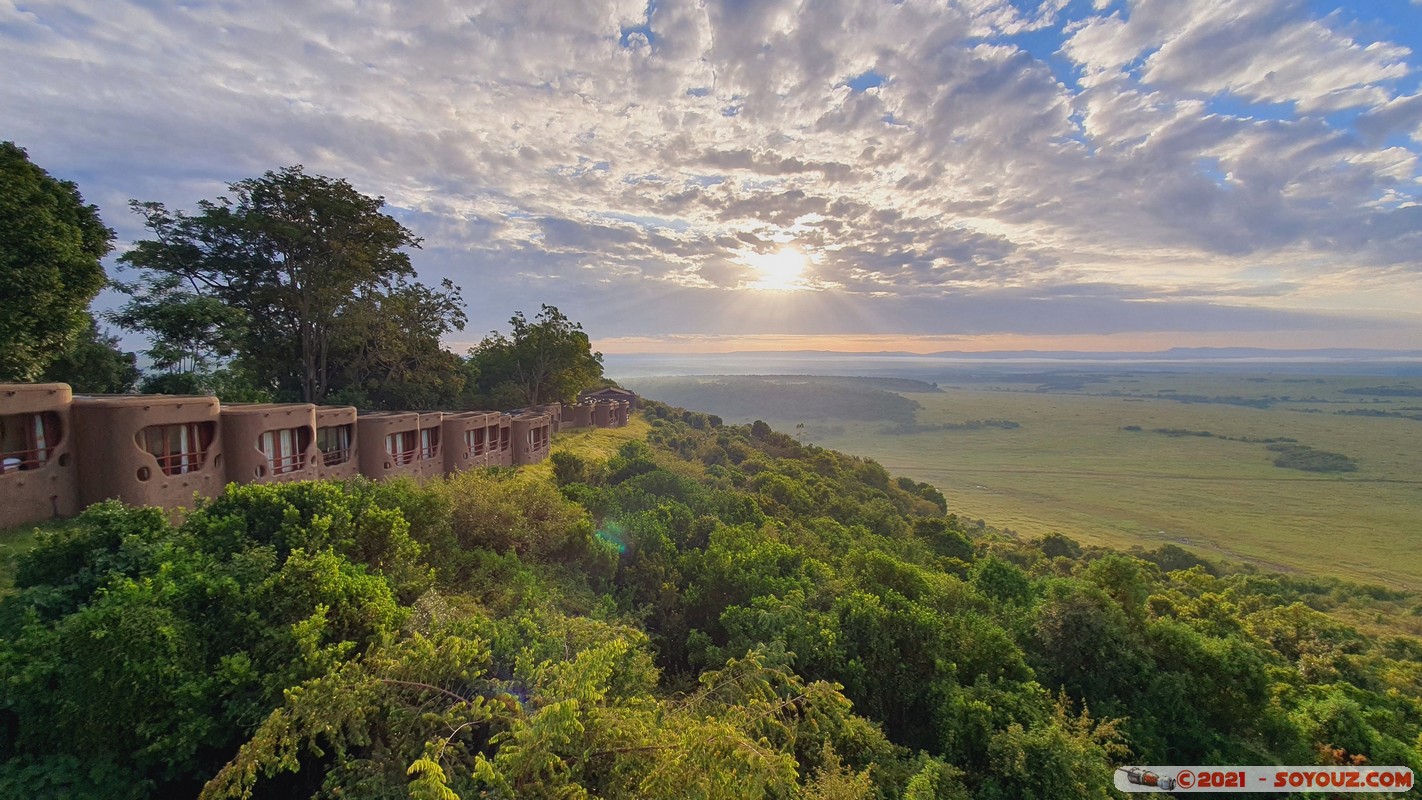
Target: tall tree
95,364
546,359
292,251
190,332
388,349
51,244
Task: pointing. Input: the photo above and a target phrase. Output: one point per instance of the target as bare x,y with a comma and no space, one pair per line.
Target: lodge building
60,453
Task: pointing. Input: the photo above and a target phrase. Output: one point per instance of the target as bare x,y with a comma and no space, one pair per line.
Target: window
27,440
429,443
180,448
334,441
401,447
503,439
285,449
474,440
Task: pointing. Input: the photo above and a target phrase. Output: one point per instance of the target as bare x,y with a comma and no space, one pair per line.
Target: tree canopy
277,272
679,609
95,364
544,360
292,287
51,246
188,331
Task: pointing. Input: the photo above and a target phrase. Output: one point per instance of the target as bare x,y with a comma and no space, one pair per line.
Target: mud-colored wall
62,453
148,450
341,458
38,469
467,440
532,434
383,457
503,455
578,416
431,460
288,454
555,414
603,413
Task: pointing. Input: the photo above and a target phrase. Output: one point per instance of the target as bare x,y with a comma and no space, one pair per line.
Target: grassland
597,444
1070,466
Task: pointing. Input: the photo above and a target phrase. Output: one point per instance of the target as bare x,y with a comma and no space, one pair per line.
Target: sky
799,174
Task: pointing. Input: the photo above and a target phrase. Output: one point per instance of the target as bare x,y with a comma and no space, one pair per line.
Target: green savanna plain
1071,467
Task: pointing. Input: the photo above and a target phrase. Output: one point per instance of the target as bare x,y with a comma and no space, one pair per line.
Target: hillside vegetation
1121,465
696,611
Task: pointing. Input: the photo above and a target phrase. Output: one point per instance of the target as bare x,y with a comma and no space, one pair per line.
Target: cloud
623,158
1265,51
1398,115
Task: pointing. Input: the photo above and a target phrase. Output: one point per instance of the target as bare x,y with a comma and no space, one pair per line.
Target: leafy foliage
51,244
95,364
715,612
301,276
1298,456
544,360
191,332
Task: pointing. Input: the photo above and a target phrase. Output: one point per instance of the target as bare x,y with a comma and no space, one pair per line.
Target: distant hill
1192,354
940,365
789,397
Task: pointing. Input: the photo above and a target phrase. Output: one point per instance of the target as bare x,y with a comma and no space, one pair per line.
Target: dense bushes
1298,456
717,611
176,644
913,616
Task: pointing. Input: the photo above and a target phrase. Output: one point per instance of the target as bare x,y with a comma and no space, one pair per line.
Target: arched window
334,441
285,449
28,440
179,448
402,446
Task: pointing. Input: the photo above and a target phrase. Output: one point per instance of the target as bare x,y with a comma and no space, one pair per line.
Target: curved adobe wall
38,471
578,416
602,413
390,444
532,434
148,450
466,439
503,454
59,453
270,442
337,440
555,414
431,458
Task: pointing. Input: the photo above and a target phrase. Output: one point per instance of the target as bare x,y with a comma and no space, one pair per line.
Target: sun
780,271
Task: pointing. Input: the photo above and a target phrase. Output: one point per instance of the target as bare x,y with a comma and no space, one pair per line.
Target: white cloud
541,156
1263,51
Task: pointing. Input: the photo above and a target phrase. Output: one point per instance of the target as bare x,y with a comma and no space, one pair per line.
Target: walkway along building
60,453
